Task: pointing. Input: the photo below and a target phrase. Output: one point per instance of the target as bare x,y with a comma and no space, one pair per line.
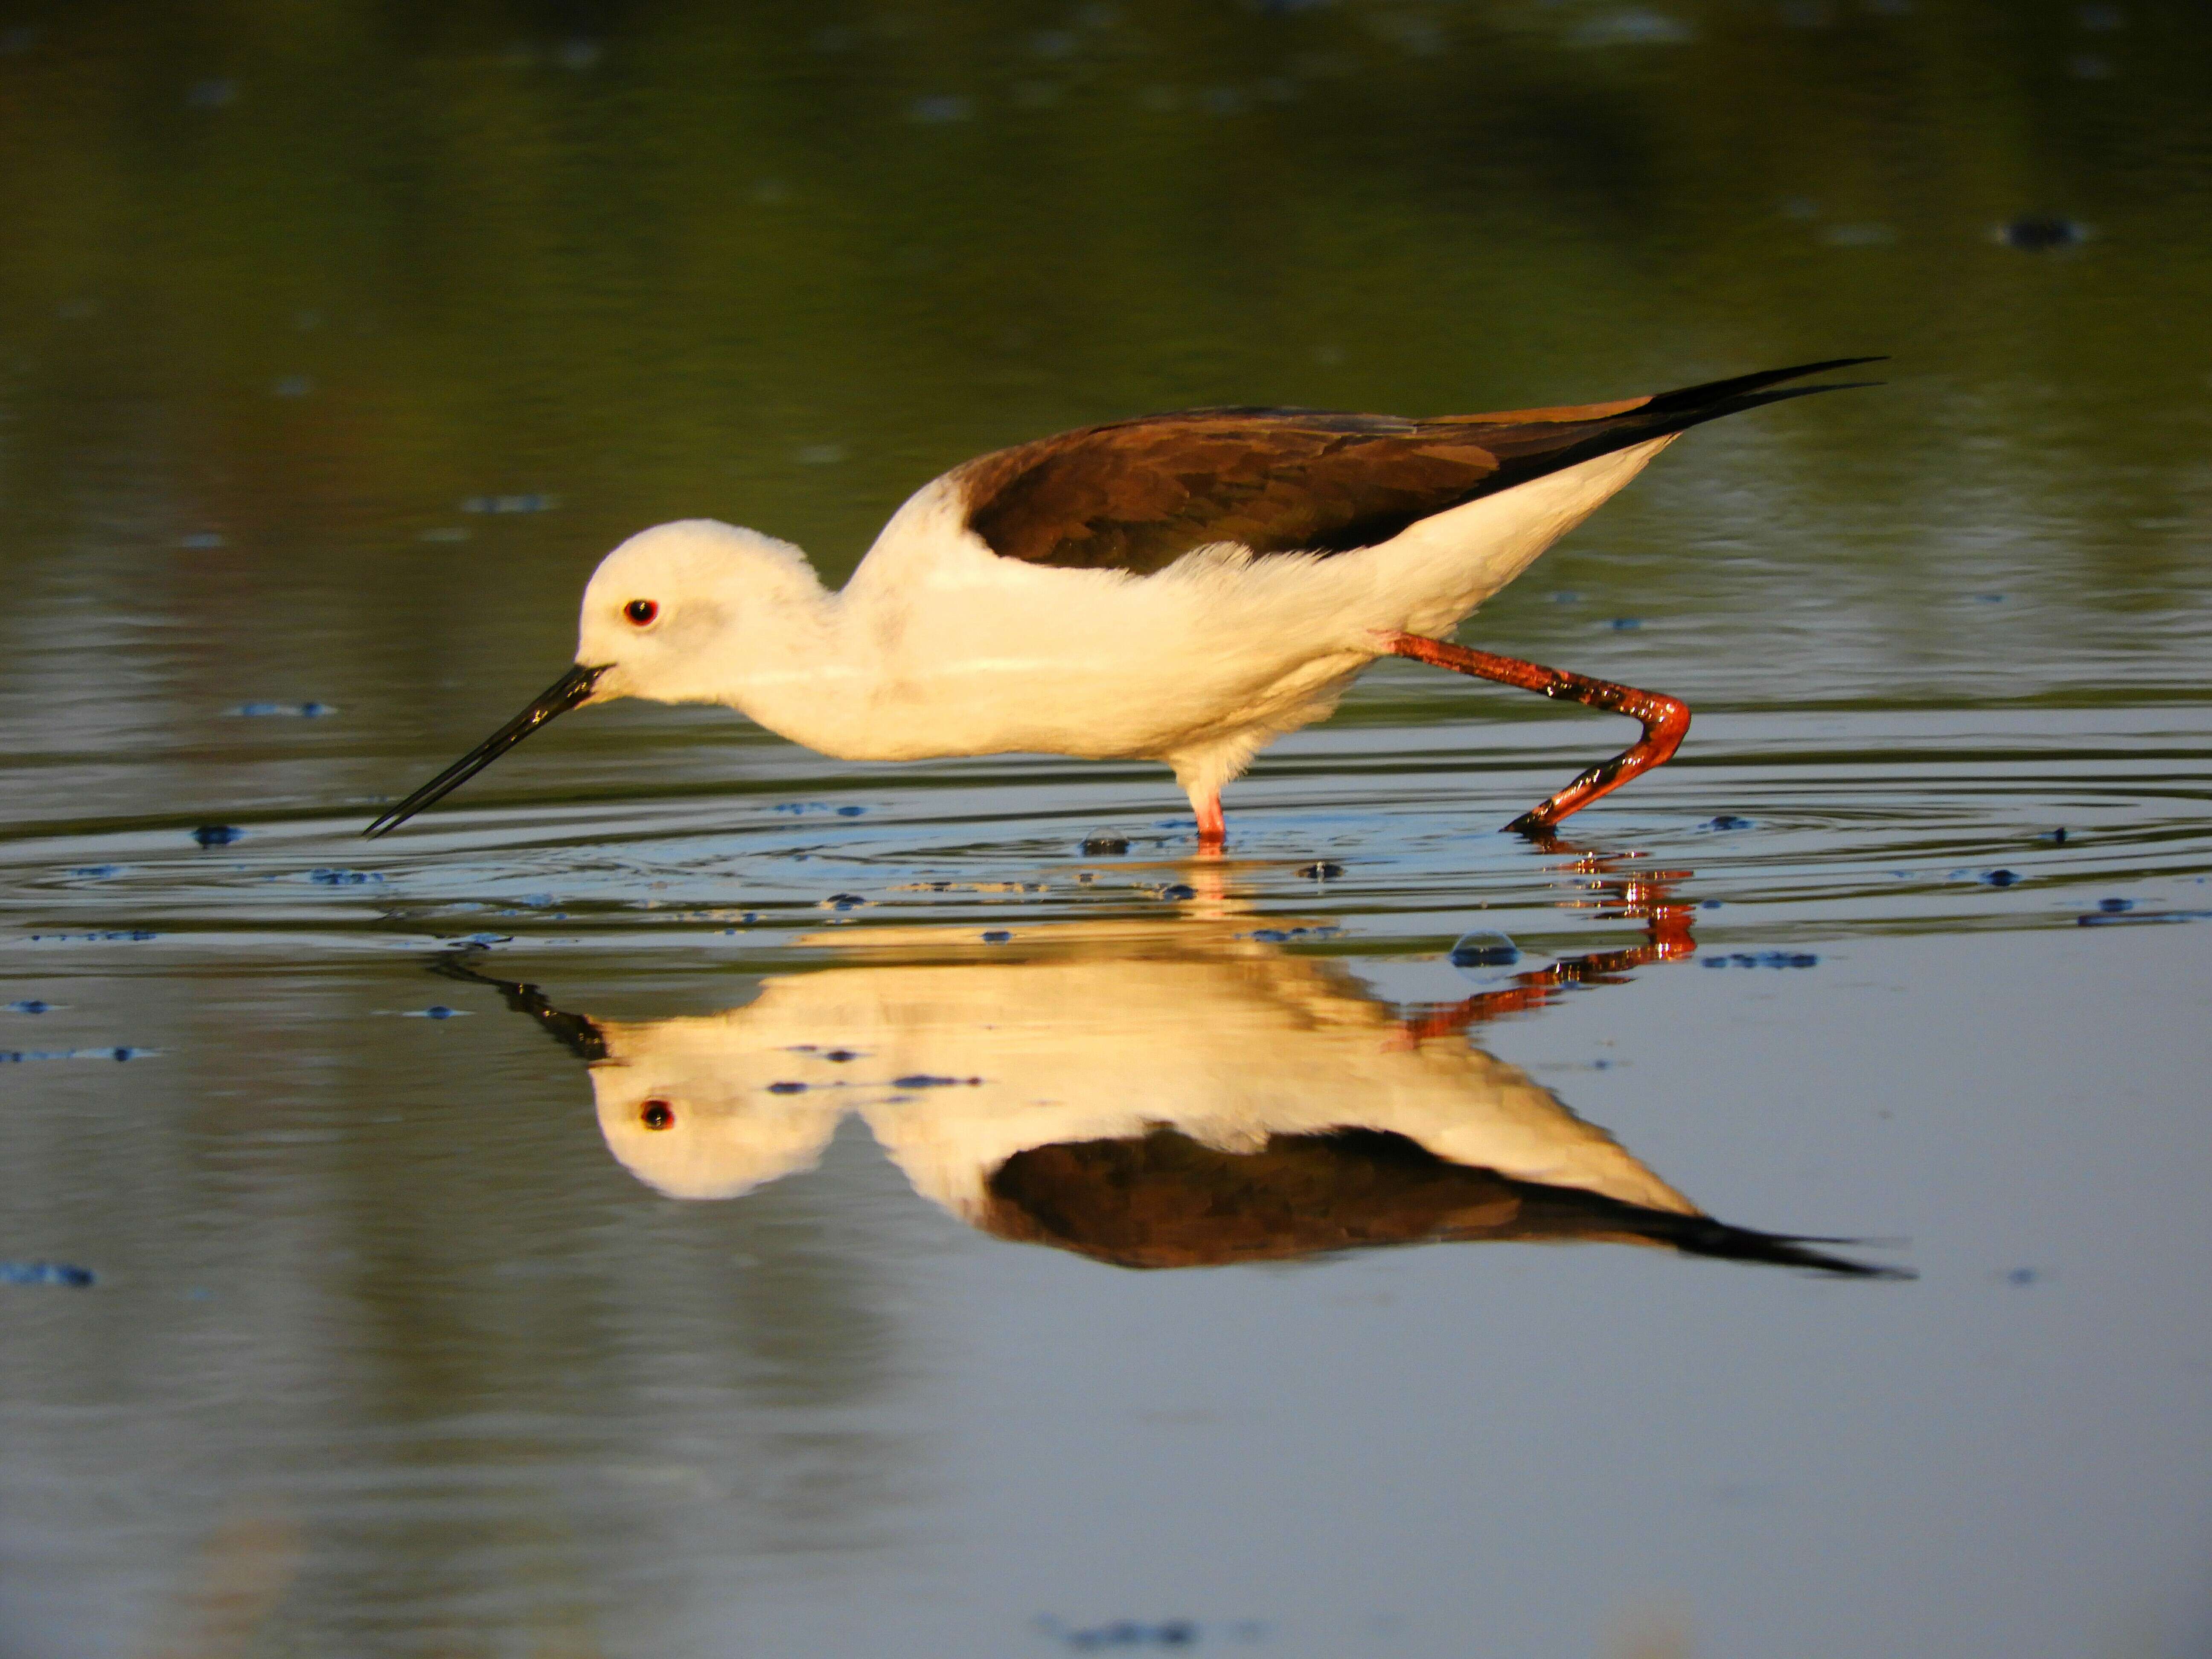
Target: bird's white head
684,612
669,614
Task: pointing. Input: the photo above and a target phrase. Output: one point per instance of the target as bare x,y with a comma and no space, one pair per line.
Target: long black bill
558,698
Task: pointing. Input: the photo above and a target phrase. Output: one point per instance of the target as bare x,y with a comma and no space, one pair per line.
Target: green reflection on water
311,280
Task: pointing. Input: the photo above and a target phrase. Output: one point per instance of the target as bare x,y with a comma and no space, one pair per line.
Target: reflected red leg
1665,720
1624,890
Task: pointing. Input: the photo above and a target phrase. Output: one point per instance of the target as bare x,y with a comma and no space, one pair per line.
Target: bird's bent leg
1665,720
1213,828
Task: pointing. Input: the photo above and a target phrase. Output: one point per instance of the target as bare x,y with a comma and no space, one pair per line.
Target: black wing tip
1708,393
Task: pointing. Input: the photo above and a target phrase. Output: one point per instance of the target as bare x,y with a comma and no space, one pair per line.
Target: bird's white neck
787,661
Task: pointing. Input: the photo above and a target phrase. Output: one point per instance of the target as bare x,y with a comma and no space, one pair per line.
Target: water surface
686,1196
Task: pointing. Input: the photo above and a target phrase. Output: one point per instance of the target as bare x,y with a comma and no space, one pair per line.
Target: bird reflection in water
1149,1096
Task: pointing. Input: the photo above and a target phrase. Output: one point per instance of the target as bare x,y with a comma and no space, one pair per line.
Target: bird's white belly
1095,702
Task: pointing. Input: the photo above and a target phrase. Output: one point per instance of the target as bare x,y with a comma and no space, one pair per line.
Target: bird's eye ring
657,1115
641,612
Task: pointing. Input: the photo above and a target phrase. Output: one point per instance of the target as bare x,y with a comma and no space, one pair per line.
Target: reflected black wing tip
1718,1240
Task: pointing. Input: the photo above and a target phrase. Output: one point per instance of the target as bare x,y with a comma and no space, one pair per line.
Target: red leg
1213,828
1665,720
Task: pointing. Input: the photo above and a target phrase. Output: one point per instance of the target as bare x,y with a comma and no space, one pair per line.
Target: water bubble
1321,869
1622,624
1634,27
302,711
46,1273
2040,232
1484,948
1100,844
1178,890
1859,235
2113,907
2001,878
528,503
29,1005
217,835
1728,821
996,936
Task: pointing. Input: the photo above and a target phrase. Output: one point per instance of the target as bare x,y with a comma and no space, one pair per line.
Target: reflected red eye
641,612
657,1115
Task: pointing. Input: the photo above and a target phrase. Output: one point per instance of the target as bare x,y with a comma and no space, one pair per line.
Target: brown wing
1137,495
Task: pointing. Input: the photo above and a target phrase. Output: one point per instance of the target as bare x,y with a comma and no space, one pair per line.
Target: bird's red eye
641,612
656,1115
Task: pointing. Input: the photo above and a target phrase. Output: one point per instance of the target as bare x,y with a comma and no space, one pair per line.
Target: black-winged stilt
1183,588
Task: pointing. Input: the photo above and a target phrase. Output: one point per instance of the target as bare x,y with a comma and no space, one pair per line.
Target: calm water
687,1197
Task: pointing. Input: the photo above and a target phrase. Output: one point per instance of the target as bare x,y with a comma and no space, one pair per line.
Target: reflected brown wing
1163,1199
1136,496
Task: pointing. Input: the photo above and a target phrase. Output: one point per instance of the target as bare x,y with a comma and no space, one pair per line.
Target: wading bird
1184,588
